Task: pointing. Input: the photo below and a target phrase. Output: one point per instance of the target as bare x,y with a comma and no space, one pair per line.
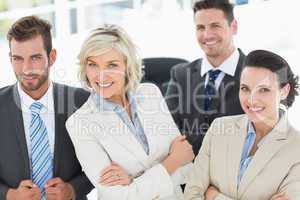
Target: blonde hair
105,38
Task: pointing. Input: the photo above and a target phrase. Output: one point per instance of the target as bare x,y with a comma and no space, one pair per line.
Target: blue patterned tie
210,88
41,156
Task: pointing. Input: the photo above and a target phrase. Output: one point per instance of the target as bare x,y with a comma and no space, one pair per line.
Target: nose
27,67
253,97
207,33
102,74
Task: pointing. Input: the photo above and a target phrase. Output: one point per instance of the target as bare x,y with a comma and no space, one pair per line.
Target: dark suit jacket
185,99
14,160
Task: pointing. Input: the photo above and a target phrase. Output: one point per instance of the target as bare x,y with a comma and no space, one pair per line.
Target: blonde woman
125,126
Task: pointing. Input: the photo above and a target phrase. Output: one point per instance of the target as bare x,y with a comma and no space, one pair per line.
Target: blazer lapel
150,120
235,148
120,134
15,114
272,144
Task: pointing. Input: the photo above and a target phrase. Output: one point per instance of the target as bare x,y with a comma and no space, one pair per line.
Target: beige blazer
101,137
274,168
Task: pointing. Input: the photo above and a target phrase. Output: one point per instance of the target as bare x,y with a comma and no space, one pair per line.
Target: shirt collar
105,105
250,128
228,66
46,100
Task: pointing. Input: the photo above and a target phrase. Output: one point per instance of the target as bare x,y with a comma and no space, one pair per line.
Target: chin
255,117
104,95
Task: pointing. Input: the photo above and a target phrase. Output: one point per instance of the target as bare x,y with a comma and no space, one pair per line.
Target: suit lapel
235,147
275,140
229,86
240,65
15,114
59,117
198,85
121,134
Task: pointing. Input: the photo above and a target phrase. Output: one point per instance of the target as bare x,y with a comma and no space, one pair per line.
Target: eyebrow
89,60
215,23
18,56
36,55
15,56
259,86
111,61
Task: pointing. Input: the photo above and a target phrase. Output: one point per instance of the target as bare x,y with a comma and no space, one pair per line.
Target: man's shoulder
70,89
188,66
6,91
183,70
70,94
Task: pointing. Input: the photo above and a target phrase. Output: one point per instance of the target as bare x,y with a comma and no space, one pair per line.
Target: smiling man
37,158
207,88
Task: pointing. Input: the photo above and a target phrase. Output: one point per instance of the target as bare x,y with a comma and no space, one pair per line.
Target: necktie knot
213,74
36,107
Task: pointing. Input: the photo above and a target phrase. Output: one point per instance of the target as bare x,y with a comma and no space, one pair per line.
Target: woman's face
260,95
106,74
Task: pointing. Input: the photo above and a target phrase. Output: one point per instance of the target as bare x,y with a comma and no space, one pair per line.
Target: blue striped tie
41,156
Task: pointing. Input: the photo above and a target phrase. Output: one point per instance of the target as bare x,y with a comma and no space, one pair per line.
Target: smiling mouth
212,43
255,109
104,85
29,77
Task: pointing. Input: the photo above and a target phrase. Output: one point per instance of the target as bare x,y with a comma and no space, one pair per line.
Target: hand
181,151
57,189
114,175
279,196
26,191
211,193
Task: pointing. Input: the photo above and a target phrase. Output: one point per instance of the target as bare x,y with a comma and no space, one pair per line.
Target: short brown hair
29,27
223,5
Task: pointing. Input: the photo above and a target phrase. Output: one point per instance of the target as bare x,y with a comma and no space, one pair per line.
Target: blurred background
161,28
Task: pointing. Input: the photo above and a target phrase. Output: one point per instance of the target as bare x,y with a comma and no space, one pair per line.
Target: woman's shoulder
82,110
294,136
230,119
228,125
148,89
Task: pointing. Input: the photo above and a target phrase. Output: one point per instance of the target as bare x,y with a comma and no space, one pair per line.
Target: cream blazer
274,168
101,137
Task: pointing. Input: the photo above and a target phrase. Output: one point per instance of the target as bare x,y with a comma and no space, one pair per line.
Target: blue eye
92,65
110,66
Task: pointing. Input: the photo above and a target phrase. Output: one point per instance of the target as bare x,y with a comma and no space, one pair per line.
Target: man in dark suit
37,157
207,88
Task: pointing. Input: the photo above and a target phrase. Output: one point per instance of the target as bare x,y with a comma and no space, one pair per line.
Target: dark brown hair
223,5
275,63
29,27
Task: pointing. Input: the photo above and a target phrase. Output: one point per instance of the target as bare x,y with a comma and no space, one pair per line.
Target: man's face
31,64
214,33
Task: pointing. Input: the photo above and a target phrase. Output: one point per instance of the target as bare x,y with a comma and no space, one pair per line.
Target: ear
52,57
234,27
284,92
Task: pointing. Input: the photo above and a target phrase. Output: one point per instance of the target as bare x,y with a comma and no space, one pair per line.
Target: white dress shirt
227,67
47,115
